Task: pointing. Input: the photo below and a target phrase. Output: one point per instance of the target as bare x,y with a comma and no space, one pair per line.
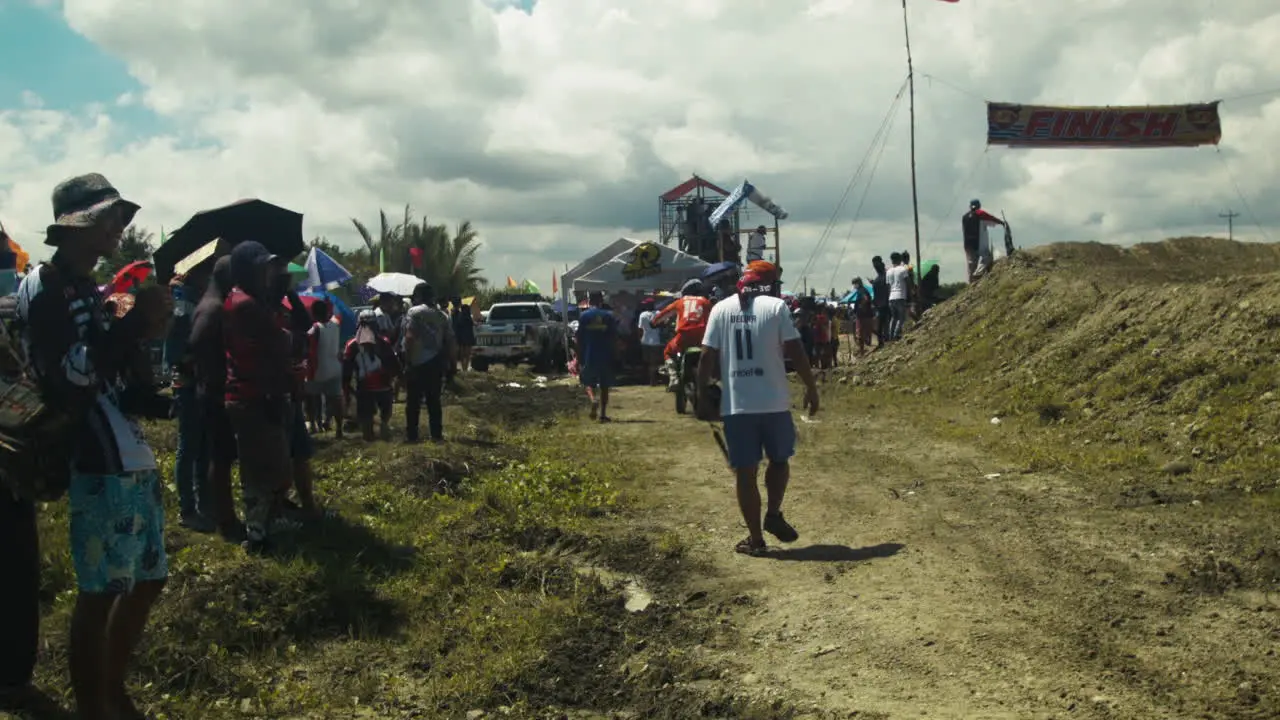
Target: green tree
388,238
449,260
135,244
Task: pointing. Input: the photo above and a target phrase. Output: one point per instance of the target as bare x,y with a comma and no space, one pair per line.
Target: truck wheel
479,364
561,364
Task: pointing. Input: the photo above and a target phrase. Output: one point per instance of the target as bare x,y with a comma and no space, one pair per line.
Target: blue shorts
301,447
598,375
117,531
753,435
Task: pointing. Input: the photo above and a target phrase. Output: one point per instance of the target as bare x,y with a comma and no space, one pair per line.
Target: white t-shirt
753,371
755,246
328,351
651,335
897,279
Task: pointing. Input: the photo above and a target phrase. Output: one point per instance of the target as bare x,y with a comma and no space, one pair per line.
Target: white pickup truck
521,332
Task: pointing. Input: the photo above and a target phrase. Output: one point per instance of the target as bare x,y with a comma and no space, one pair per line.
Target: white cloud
555,131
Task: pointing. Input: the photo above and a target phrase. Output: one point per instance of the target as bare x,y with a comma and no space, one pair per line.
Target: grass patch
450,581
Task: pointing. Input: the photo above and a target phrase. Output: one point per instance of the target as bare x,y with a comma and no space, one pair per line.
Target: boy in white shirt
898,278
748,334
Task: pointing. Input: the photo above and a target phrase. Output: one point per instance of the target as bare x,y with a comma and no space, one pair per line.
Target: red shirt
259,361
821,328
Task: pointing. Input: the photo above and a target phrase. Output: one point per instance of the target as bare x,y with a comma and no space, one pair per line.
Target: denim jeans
898,318
192,471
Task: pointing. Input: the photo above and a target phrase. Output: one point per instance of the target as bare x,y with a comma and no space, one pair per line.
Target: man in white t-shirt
898,278
325,383
756,243
749,337
650,340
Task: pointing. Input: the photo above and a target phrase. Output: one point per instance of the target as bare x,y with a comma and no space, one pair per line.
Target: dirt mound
1165,353
1186,259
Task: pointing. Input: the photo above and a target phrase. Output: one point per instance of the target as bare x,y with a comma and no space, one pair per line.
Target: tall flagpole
911,81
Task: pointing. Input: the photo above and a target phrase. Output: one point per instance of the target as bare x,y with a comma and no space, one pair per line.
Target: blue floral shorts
117,531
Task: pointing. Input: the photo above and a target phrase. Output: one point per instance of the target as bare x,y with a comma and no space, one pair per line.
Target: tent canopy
628,264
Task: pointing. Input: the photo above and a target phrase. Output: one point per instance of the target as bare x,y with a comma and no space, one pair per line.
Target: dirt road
923,585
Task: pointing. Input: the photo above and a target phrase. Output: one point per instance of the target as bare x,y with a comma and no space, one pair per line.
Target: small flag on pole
555,286
511,283
382,260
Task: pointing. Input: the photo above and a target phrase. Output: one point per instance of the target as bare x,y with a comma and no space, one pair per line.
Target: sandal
776,526
746,547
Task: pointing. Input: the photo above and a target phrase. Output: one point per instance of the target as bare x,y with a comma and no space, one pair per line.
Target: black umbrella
279,229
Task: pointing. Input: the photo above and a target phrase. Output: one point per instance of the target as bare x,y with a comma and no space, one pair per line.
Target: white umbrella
395,283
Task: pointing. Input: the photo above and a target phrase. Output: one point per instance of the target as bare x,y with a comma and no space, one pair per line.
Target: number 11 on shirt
741,341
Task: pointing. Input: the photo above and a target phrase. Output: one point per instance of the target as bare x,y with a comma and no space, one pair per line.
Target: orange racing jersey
691,313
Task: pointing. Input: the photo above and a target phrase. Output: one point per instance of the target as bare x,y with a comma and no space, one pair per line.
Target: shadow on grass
517,408
338,543
835,553
316,585
33,705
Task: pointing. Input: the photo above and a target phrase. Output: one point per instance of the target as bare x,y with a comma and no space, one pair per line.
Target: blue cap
975,203
246,257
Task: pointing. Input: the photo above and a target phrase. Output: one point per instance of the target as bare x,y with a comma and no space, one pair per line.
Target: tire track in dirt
951,596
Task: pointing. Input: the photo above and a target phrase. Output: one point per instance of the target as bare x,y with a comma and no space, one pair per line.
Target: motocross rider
691,311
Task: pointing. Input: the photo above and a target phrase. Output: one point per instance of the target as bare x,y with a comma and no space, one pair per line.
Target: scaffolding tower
683,217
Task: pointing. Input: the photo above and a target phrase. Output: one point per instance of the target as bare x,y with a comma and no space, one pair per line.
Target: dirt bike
686,367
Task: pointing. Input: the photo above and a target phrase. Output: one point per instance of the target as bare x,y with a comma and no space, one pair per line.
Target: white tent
631,265
628,264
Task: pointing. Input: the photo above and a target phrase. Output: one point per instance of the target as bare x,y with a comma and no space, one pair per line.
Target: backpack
36,442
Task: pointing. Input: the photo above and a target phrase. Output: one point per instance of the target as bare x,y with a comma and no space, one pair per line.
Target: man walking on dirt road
747,336
597,335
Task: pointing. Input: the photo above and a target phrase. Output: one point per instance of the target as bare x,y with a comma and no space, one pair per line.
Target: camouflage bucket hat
80,203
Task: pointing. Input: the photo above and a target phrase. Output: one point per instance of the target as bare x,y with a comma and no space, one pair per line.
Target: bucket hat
80,203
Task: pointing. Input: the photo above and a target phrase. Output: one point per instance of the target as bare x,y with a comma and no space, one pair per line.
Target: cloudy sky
555,124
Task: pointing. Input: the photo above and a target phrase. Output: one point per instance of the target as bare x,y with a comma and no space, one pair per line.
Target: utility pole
911,81
1230,216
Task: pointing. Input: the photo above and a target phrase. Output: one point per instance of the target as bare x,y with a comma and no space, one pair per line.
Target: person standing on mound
748,334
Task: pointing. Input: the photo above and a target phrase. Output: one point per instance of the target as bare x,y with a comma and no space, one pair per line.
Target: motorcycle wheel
682,398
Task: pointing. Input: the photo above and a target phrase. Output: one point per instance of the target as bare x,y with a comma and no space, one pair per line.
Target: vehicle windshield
509,313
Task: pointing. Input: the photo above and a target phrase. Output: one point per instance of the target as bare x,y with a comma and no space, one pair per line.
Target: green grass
451,580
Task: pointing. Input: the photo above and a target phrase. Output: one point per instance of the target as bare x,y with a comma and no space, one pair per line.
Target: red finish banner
1103,127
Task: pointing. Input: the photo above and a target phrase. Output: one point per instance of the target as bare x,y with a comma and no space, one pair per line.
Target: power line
857,173
1245,201
970,93
1246,96
1230,216
866,189
954,86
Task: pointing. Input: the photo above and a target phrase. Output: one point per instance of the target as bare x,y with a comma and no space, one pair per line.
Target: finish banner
1148,126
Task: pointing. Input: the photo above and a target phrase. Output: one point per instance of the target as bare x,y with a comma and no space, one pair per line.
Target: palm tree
388,236
450,263
135,244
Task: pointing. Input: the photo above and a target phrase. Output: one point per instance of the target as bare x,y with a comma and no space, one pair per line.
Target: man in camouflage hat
81,356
